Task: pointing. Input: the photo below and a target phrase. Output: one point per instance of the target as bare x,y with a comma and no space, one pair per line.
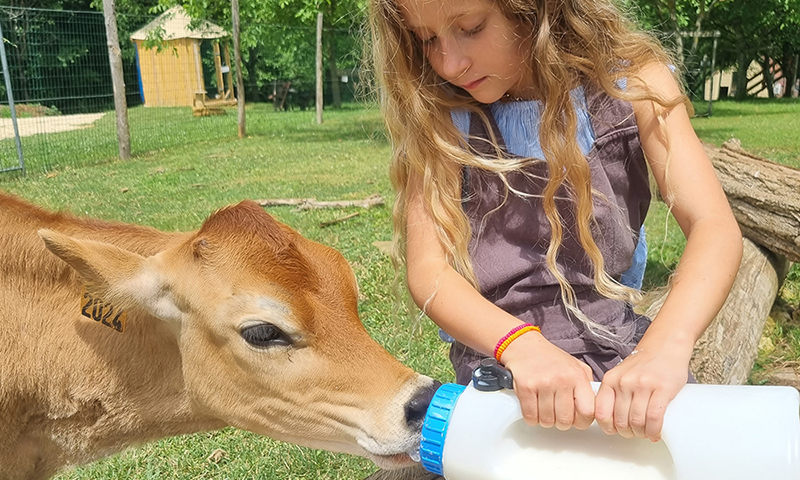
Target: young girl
522,134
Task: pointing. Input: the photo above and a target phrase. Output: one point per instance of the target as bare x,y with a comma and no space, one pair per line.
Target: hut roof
176,23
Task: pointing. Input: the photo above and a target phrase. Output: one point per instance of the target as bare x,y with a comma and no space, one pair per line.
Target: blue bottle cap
434,428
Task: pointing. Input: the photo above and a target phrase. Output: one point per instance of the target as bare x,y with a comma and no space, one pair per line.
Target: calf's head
268,331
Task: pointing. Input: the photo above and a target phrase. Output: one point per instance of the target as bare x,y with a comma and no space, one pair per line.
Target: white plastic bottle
710,432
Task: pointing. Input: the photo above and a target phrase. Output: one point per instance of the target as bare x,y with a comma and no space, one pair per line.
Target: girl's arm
634,395
552,386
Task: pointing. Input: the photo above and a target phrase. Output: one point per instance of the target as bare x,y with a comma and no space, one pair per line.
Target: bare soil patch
48,124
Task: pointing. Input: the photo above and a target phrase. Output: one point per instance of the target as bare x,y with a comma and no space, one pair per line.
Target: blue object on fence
138,72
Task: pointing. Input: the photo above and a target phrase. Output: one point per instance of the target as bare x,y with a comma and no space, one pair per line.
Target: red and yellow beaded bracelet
512,335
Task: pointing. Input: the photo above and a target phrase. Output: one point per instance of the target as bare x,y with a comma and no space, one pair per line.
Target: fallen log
726,352
309,203
764,197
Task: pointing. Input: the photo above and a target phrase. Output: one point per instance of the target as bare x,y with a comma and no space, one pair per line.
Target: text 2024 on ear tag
102,312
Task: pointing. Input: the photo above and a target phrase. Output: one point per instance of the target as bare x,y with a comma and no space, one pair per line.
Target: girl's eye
475,30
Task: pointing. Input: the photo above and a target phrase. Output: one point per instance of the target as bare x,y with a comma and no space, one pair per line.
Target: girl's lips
471,85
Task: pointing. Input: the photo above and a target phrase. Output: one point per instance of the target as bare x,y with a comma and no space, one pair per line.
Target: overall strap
607,113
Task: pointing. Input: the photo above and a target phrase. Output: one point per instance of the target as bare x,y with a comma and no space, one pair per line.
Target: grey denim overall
510,239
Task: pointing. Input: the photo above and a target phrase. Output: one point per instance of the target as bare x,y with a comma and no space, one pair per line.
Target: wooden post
117,79
198,71
237,56
218,69
319,68
229,74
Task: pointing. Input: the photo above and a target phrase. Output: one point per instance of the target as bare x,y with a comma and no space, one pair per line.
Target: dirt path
36,125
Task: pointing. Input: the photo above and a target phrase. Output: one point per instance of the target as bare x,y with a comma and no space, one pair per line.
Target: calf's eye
264,335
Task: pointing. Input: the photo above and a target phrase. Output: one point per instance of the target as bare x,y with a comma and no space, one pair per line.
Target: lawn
172,186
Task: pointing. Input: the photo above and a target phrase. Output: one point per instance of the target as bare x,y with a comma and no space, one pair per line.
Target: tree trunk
673,20
764,197
237,56
766,74
743,62
789,67
319,68
335,87
117,80
726,352
252,64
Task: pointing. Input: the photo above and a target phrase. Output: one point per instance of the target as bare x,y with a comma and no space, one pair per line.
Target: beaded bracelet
512,335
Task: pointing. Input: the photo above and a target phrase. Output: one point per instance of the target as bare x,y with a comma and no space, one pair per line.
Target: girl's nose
452,59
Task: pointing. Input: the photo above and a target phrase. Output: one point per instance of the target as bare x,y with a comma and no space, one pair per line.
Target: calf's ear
117,276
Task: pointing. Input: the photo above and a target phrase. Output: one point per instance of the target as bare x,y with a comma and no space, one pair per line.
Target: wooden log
308,203
764,197
726,352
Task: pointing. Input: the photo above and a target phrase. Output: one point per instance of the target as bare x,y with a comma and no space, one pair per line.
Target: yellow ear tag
102,312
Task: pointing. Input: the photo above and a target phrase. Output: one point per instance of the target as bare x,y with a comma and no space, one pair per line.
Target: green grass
183,172
769,128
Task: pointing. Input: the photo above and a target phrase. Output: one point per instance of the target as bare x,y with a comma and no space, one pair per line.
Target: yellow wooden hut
170,65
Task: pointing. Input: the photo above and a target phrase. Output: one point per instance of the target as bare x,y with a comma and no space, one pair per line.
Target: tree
679,20
763,30
278,38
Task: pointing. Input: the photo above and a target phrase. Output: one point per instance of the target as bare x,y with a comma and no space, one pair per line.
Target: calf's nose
416,408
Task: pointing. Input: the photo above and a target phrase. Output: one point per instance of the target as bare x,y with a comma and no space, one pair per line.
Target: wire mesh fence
178,78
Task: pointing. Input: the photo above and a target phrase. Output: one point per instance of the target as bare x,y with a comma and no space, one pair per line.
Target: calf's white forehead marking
272,307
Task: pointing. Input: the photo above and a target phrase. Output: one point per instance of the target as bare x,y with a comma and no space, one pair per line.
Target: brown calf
113,335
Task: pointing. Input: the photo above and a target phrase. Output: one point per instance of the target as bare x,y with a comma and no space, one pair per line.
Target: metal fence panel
60,77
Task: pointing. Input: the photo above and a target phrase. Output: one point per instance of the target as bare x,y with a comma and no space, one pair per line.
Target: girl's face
472,45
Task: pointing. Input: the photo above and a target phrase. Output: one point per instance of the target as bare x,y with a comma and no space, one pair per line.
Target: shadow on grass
656,274
749,107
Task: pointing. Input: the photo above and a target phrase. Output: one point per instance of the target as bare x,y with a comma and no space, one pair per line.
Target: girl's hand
552,386
633,396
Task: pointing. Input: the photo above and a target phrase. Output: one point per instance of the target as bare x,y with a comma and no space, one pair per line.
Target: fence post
7,77
117,79
319,68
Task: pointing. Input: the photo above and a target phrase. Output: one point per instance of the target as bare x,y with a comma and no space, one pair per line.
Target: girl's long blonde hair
574,42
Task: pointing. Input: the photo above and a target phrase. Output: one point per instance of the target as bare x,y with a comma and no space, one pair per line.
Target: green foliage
750,29
278,37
